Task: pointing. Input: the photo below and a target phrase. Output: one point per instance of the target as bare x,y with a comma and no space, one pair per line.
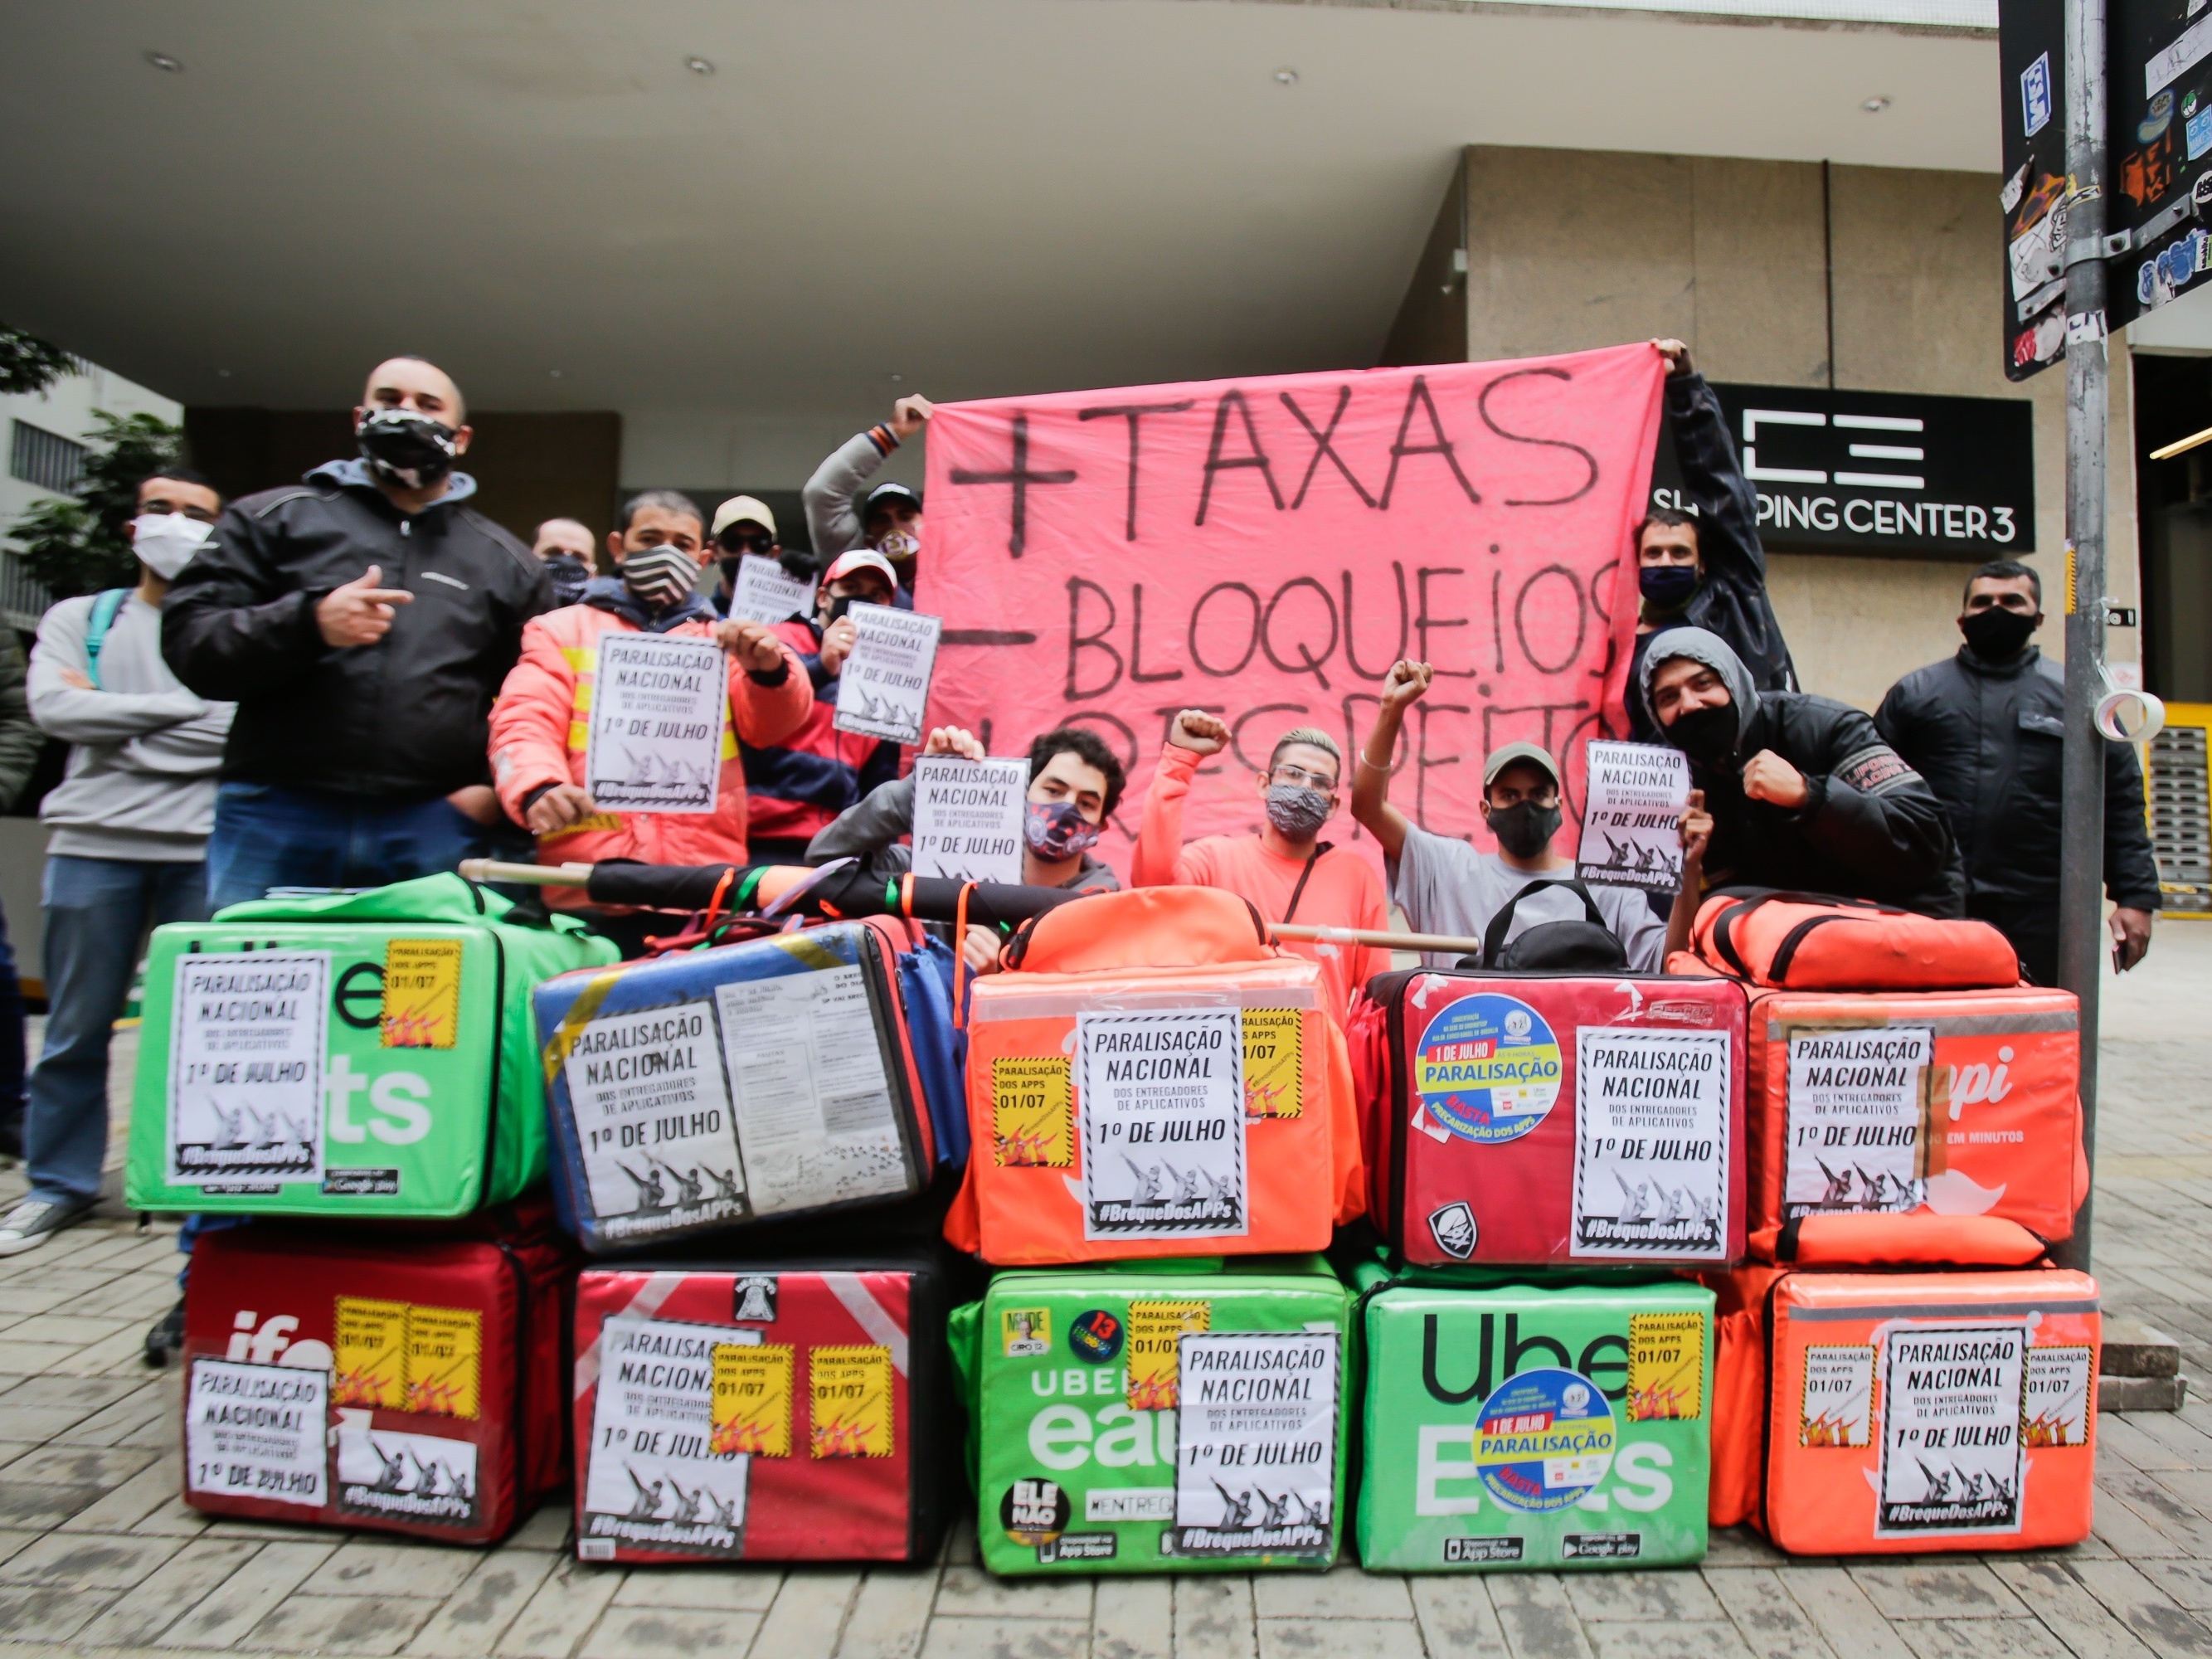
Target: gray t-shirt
1447,887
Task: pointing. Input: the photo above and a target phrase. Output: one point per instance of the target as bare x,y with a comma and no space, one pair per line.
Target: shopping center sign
1879,471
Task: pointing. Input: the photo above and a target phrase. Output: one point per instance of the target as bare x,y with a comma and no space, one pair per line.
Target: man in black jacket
1707,570
1986,728
362,621
1803,793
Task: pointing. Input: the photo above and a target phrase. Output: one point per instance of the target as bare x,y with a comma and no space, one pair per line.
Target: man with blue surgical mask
1705,570
128,827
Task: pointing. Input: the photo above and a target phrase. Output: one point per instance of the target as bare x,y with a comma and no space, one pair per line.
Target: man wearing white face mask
130,823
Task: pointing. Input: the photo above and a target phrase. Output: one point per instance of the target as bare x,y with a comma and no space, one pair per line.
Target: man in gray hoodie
130,825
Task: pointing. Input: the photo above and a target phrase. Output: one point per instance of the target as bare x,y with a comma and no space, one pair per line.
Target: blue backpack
104,604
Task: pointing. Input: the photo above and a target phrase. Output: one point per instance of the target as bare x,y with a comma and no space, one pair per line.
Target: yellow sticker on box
422,992
445,1358
1156,1330
1666,1367
1032,1112
750,1401
1272,1062
850,1399
369,1361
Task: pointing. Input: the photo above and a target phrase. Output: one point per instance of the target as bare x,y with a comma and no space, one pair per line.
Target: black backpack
1586,946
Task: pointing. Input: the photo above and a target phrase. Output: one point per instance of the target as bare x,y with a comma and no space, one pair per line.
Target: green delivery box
360,1053
1162,1417
1515,1427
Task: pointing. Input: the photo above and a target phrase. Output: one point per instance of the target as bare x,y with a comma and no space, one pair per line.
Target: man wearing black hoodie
1803,793
1986,728
362,621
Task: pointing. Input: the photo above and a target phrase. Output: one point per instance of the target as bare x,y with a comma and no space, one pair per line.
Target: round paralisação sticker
1545,1438
1096,1336
1034,1511
1487,1068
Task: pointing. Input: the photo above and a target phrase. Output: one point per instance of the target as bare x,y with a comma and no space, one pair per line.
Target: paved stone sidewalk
98,1555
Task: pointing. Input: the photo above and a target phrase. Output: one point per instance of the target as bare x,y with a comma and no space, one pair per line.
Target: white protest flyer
658,707
406,1477
256,1432
1837,1407
245,1067
1951,1455
652,1111
650,1478
1161,1096
1853,1133
1651,1144
968,817
1255,1455
1632,816
884,683
816,1115
765,592
2061,1382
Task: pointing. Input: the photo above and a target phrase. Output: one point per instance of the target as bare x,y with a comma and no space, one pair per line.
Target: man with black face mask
1707,569
1803,792
362,621
1985,728
1448,886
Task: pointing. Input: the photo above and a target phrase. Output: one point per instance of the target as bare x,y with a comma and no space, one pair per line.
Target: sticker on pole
1544,1440
1487,1068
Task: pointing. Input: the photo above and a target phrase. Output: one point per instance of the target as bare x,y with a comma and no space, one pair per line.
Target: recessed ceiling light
1875,105
698,65
167,64
896,379
555,373
223,373
1286,77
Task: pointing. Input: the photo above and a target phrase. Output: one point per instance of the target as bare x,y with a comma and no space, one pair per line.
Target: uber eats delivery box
1949,1102
780,1411
1161,1417
1579,1119
1153,1078
1907,1413
356,1053
706,1090
1518,1426
408,1380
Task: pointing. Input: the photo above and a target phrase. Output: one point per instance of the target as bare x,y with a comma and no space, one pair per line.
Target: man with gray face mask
1285,871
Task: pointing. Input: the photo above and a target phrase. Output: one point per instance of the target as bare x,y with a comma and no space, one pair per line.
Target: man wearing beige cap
1446,886
744,528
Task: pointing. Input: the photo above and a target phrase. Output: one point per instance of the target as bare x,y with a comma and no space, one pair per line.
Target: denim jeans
97,910
266,837
11,1034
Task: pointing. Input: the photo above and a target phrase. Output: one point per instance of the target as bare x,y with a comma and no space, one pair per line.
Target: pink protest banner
1266,548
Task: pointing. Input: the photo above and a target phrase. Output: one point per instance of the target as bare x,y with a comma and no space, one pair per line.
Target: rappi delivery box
1168,1417
1524,1427
1531,1119
1955,1103
1153,1078
1905,1412
358,1054
409,1384
706,1090
785,1411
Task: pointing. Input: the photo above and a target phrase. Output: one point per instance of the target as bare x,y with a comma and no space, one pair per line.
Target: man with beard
1986,729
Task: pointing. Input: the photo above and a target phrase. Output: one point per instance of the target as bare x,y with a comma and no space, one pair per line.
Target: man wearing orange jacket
540,725
1286,870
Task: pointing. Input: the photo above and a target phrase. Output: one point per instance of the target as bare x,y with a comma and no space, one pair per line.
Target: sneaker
168,1336
35,1221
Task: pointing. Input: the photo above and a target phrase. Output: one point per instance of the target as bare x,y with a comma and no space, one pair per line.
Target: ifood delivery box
411,1381
1523,1427
784,1410
360,1054
1154,1078
1170,1417
1575,1119
708,1089
1953,1103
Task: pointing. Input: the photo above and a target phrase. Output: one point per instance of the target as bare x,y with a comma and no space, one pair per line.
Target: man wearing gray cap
1446,886
1803,793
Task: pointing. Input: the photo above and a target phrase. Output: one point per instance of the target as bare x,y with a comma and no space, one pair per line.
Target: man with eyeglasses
1448,886
1286,870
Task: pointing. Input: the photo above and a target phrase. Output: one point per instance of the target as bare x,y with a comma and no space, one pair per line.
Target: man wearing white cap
798,786
744,528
